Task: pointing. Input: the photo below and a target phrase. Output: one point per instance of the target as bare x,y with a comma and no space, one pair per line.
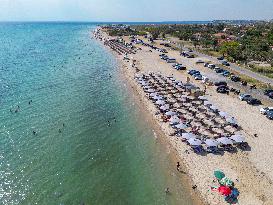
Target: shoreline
139,98
238,166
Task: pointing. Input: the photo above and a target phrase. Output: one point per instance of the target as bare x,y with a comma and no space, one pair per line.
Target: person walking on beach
167,190
178,166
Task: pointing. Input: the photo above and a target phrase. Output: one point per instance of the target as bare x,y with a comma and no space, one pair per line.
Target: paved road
240,70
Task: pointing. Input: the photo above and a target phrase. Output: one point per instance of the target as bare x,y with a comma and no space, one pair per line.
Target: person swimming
34,132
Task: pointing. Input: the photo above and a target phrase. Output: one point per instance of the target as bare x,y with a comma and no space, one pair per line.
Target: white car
263,110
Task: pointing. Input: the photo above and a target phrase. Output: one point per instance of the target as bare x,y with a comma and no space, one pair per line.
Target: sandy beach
250,170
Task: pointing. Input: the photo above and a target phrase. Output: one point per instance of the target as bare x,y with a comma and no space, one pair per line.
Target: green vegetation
123,31
238,43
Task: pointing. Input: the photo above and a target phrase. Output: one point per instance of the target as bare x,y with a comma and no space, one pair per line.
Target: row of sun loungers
118,47
195,120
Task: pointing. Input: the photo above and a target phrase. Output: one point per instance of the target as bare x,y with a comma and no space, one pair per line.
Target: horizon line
103,22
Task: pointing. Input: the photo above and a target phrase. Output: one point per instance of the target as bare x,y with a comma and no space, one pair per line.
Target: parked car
253,101
199,61
176,64
226,73
180,67
221,58
244,97
220,70
220,83
198,77
164,57
191,72
235,78
171,60
212,66
222,89
225,63
269,115
268,91
264,110
206,64
190,56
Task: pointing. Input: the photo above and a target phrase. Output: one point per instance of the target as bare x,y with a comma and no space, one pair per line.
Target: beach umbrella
202,98
174,119
238,138
231,121
223,114
181,126
225,141
160,102
158,97
219,174
153,94
207,103
194,141
165,107
211,143
224,190
151,90
226,182
170,113
213,107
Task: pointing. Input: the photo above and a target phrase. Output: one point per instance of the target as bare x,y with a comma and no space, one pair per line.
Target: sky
134,10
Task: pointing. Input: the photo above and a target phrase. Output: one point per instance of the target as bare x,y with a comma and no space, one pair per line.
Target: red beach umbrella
224,190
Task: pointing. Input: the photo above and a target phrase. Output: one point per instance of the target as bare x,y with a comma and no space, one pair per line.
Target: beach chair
213,150
197,149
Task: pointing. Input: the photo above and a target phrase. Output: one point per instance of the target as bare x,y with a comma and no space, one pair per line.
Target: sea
71,132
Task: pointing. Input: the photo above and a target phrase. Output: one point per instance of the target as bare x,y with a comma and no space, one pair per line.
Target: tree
229,48
155,34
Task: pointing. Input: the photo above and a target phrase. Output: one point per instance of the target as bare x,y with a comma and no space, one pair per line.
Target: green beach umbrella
219,174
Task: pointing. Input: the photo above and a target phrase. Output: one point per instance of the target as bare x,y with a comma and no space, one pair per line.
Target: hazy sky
133,10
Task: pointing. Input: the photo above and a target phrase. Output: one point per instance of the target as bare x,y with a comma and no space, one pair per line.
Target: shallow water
74,157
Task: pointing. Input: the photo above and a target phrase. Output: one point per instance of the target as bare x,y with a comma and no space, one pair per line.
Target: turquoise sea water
67,87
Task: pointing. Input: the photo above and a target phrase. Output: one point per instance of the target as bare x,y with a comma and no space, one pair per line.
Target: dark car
220,58
180,67
269,115
225,63
219,70
222,89
253,101
191,72
268,91
226,73
220,83
235,78
206,64
190,56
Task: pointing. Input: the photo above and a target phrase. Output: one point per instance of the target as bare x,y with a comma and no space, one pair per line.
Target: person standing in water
178,166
